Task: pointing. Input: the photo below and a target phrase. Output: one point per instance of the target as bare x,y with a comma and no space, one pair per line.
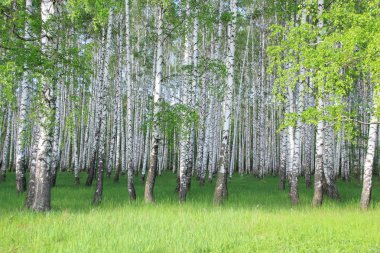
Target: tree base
221,191
2,178
308,182
182,195
178,185
53,179
294,191
281,185
90,177
317,198
332,192
131,190
202,181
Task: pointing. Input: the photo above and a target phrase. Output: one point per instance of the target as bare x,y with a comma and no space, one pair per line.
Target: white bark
129,125
24,104
44,147
6,148
185,143
318,174
221,185
149,186
371,148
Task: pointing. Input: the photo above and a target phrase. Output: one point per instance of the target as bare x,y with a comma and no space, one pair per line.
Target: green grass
256,218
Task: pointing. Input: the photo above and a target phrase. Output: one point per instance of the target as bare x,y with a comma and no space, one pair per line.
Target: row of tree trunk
202,107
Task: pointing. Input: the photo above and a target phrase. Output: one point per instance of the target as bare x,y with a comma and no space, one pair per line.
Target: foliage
334,57
8,73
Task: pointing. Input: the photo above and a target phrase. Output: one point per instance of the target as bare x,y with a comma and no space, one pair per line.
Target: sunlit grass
256,218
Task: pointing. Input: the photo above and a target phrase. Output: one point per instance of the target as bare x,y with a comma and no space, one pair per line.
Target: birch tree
368,165
20,142
42,195
156,135
98,195
221,183
131,187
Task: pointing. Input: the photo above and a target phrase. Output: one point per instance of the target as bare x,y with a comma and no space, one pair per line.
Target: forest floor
257,217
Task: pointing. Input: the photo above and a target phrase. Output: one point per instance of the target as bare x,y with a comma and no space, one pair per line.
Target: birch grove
202,89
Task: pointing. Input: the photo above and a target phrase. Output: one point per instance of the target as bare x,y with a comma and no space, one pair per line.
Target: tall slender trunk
309,133
146,152
208,141
24,104
345,167
121,124
56,136
6,148
185,157
98,195
328,163
368,165
75,146
291,167
95,136
115,135
42,196
32,171
203,106
318,174
283,155
131,187
237,112
152,172
221,183
83,131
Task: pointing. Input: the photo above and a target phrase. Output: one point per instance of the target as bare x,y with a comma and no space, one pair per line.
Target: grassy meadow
256,218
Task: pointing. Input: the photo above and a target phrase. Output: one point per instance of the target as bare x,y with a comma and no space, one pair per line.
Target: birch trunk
24,104
371,148
328,163
318,174
152,172
97,110
98,195
42,194
185,160
283,155
131,187
146,152
56,137
75,146
221,183
6,148
32,171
